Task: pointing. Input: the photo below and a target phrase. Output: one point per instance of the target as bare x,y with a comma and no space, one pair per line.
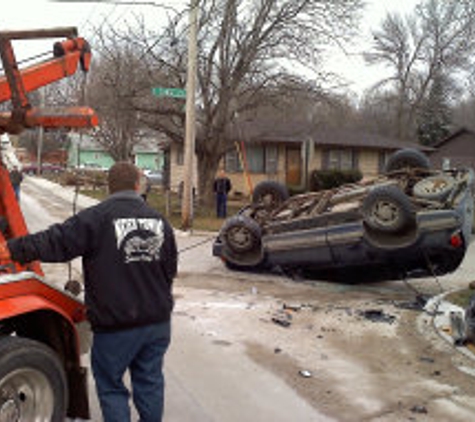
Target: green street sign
169,92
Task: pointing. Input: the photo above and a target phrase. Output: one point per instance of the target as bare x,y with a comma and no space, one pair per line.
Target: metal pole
41,134
187,200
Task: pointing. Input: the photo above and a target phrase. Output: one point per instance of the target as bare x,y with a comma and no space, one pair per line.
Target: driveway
262,347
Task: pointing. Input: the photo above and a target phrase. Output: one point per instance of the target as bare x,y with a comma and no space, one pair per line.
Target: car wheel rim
26,395
240,238
385,213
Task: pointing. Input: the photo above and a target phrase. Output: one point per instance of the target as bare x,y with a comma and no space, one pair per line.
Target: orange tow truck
41,377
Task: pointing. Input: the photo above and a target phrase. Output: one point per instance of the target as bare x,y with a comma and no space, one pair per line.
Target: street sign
169,92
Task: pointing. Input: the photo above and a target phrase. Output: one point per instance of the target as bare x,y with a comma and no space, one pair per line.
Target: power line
124,3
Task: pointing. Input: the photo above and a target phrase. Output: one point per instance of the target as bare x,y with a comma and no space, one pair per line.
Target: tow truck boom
68,55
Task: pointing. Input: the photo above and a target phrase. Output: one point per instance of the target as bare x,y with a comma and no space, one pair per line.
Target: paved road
204,383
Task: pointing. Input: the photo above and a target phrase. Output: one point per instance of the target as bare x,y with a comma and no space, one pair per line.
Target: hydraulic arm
68,56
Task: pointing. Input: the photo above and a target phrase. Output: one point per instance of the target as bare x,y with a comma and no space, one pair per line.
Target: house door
293,166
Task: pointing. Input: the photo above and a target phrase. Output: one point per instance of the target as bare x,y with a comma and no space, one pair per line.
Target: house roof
456,134
296,132
271,130
359,138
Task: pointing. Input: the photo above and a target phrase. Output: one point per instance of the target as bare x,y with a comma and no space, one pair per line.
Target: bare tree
116,80
53,140
247,50
436,41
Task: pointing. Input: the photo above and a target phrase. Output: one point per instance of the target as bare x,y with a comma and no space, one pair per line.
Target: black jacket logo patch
141,238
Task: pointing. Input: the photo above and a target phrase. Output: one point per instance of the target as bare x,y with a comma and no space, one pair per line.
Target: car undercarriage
412,221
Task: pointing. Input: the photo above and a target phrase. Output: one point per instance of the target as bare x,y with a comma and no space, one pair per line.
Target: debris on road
457,327
417,304
304,373
292,307
419,409
377,315
282,318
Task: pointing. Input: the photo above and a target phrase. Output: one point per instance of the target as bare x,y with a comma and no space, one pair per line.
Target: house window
255,159
341,159
232,163
272,158
260,159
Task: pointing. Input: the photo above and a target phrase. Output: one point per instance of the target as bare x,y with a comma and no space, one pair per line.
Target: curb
440,310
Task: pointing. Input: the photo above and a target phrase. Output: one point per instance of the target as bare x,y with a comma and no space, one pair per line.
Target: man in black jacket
129,260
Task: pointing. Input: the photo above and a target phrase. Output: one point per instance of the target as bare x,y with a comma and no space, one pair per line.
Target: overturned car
412,221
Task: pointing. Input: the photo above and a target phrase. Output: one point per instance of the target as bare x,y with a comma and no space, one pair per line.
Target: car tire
435,188
387,209
270,194
407,158
241,234
32,382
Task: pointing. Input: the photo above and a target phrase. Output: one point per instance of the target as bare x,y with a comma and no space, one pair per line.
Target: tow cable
421,299
195,245
73,286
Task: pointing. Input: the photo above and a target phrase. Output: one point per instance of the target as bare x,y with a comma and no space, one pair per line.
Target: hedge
329,179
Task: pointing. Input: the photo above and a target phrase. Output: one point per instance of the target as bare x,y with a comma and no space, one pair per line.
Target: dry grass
461,298
203,219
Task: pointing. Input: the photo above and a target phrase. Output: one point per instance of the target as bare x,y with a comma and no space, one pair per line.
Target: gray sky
31,14
351,66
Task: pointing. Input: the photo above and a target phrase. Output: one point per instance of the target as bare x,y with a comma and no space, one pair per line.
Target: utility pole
190,124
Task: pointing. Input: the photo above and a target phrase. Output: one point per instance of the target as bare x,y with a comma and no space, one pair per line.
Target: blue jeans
141,351
221,205
16,189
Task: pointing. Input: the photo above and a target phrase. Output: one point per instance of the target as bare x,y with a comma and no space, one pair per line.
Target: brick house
289,154
456,150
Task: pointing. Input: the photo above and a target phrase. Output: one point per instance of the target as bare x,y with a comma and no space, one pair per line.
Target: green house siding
149,160
96,158
93,156
79,157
